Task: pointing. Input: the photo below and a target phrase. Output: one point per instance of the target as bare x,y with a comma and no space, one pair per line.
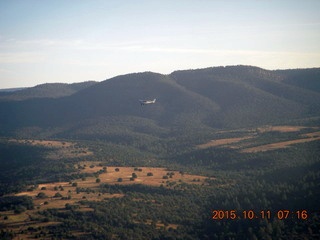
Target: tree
57,195
41,195
19,209
98,180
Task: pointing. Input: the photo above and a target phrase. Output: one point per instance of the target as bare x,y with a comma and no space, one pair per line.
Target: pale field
222,142
19,222
109,177
280,129
112,176
312,135
279,145
235,143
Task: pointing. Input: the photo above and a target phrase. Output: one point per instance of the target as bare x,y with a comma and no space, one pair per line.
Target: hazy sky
78,40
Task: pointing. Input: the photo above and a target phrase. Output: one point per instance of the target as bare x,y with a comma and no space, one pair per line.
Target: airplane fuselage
145,102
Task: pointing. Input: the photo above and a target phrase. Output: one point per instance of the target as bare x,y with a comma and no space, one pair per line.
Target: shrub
41,195
57,195
19,209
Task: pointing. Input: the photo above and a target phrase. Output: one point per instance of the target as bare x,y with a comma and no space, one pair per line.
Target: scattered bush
57,195
41,195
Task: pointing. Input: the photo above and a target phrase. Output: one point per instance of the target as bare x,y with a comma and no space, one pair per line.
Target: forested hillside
47,90
203,99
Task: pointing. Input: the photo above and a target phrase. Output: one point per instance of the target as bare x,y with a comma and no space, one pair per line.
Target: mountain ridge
187,101
45,90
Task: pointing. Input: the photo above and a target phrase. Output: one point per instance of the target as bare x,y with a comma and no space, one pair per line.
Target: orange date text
263,214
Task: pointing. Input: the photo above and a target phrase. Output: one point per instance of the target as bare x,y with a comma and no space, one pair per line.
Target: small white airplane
145,102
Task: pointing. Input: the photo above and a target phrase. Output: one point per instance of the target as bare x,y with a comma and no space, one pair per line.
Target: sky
45,41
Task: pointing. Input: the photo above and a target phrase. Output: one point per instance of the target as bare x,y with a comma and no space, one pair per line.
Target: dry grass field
243,144
285,144
223,142
280,129
58,194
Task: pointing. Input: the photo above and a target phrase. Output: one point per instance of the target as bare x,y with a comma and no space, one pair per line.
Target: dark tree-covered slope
221,97
47,90
302,78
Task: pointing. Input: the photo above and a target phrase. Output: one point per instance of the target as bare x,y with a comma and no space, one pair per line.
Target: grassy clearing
58,194
223,142
246,144
159,176
282,129
279,145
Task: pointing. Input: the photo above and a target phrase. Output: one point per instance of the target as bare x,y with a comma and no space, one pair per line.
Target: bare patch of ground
280,129
223,142
308,137
311,135
113,175
240,143
145,175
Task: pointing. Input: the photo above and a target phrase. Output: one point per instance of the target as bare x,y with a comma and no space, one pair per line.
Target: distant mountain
47,90
250,95
189,103
7,90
